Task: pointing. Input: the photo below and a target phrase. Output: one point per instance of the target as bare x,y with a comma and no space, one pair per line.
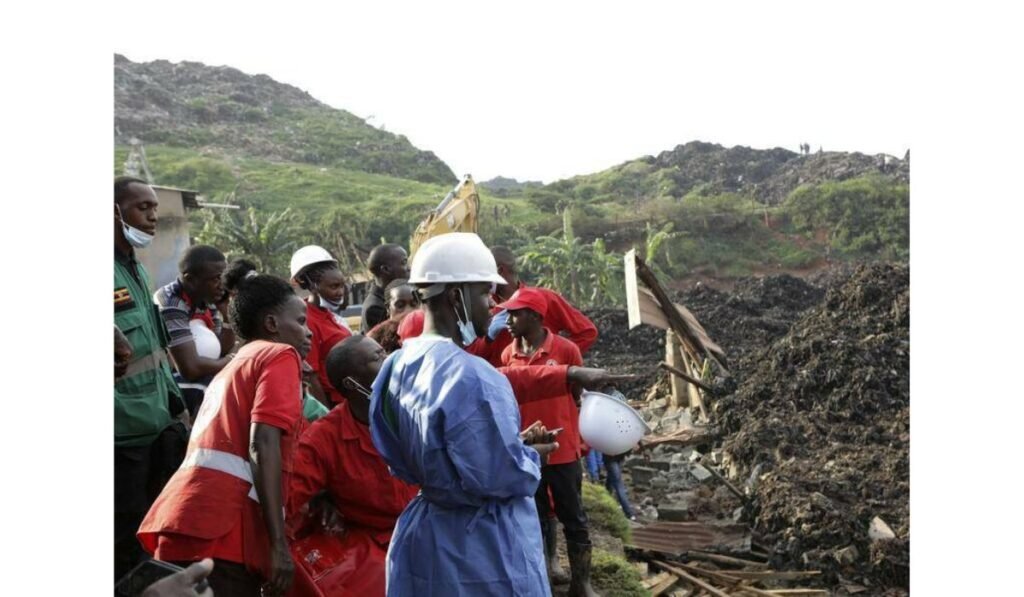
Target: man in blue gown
448,421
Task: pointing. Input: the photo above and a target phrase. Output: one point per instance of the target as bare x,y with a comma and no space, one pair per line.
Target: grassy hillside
309,173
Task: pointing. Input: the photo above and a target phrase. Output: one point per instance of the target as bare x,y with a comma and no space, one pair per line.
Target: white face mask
466,329
330,305
134,236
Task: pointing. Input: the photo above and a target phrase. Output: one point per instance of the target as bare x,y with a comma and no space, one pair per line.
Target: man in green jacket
145,396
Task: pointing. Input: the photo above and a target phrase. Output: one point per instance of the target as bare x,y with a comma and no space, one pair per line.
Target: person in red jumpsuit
561,476
227,499
336,456
316,271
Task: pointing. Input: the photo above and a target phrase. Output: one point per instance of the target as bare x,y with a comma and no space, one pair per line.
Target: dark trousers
565,482
140,473
231,579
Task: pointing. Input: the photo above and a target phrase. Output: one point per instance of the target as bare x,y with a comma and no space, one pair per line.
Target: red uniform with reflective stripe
336,454
557,411
560,317
203,511
326,334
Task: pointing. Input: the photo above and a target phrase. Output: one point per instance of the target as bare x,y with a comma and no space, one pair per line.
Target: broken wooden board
652,306
667,583
772,574
683,437
693,580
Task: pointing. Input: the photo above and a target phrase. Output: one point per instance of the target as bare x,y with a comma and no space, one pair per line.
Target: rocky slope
223,110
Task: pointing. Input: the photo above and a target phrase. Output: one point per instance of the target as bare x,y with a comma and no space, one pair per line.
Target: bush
865,216
614,575
604,512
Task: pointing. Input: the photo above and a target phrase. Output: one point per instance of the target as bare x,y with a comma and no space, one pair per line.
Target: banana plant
268,238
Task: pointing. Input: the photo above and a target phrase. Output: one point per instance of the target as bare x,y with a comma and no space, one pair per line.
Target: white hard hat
609,425
453,258
207,343
307,256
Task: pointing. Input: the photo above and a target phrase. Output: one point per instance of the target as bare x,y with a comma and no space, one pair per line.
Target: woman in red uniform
316,271
337,456
226,501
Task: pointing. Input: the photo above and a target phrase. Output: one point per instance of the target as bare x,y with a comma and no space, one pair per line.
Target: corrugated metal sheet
677,538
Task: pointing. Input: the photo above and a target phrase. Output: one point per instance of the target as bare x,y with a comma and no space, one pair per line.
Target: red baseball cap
411,325
527,298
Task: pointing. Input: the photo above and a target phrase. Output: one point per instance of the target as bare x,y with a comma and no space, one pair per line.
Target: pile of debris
637,351
820,431
757,312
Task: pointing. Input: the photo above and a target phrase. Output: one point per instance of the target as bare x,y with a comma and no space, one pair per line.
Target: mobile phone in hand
147,573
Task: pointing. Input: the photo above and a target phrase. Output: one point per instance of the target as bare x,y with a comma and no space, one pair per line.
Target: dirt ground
813,421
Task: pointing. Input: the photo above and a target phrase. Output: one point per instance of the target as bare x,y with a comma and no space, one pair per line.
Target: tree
584,273
268,238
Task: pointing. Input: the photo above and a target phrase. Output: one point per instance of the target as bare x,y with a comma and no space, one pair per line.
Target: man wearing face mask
145,397
448,421
314,269
336,455
386,263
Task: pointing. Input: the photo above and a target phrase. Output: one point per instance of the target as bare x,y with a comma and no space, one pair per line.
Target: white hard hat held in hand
609,425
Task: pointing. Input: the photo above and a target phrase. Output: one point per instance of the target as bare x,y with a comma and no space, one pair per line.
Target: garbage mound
756,313
637,351
820,428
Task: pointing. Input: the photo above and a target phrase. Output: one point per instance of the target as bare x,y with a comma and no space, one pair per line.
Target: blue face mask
134,236
466,329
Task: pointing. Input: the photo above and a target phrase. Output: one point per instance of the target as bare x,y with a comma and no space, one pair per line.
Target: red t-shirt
208,508
326,334
557,411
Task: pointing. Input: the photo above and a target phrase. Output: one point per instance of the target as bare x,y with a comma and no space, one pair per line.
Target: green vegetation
614,575
570,234
869,215
604,511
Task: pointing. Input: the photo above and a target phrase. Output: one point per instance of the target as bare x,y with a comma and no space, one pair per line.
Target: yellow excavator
457,212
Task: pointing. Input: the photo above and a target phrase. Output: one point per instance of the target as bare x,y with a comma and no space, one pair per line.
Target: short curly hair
257,296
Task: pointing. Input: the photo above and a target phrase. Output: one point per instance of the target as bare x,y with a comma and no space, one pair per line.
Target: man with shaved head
387,262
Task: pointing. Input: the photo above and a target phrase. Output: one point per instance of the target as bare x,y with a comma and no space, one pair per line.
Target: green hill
699,210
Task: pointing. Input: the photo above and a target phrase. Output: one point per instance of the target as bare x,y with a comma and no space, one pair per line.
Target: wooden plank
675,318
684,575
725,560
696,401
732,488
800,592
721,577
664,585
689,378
772,574
675,359
650,582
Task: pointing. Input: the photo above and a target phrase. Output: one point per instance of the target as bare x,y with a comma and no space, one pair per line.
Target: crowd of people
262,445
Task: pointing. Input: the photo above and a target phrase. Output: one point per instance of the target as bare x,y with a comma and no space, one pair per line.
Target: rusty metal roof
677,538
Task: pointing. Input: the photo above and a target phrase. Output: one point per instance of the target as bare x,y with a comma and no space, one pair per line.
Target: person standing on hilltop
387,263
145,396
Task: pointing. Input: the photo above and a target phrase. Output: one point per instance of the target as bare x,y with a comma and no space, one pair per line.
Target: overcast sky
543,91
